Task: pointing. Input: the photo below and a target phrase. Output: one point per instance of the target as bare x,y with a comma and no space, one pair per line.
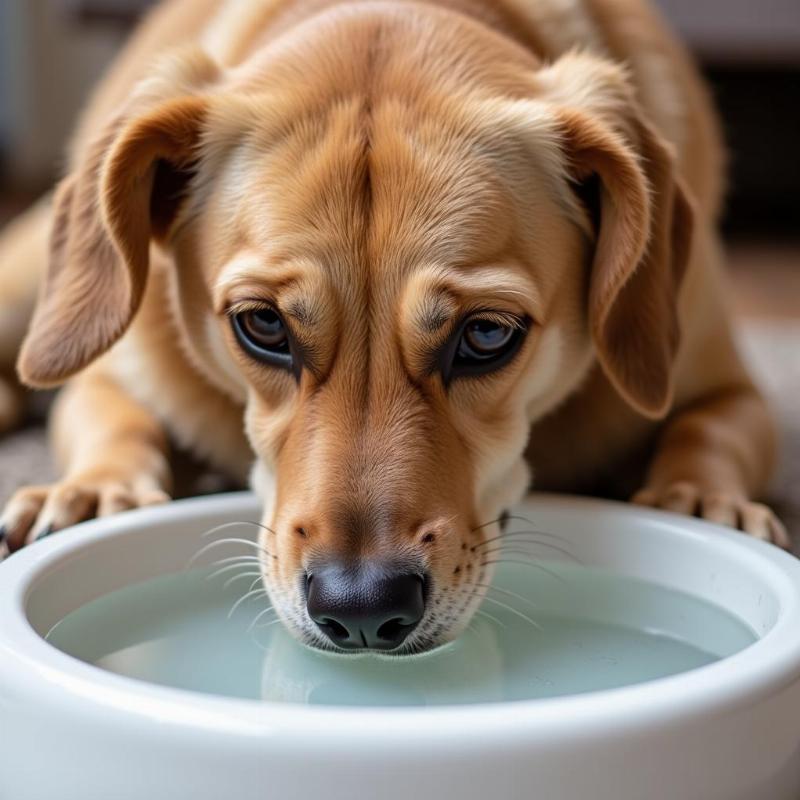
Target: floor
766,295
766,279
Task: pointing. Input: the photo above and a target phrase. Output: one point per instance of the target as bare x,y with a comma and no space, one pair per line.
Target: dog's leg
23,258
114,455
712,458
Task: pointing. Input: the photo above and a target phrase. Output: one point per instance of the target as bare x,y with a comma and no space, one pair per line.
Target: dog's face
393,325
395,283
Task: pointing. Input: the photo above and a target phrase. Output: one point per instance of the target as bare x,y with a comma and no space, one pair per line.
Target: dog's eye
483,339
263,335
484,345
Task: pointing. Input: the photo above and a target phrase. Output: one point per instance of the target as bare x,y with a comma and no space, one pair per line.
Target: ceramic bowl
726,731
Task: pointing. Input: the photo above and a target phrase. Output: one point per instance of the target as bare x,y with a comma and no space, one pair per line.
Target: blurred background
53,51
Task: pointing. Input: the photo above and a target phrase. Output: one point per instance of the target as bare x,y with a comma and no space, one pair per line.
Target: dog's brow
433,314
301,312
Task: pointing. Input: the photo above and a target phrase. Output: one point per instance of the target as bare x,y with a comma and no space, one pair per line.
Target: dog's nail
3,531
45,532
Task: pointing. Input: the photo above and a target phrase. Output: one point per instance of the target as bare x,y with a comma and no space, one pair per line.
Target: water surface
596,631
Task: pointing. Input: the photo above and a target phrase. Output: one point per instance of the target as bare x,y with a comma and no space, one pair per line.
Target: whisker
219,543
258,644
511,548
223,570
254,635
525,563
504,518
492,618
243,598
231,524
231,581
486,524
252,625
514,611
268,624
519,547
239,559
234,540
237,540
507,593
532,536
504,605
519,518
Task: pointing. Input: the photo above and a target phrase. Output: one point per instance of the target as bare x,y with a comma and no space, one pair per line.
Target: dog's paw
715,506
34,512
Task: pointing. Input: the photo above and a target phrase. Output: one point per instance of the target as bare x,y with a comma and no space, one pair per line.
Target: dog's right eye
262,334
481,345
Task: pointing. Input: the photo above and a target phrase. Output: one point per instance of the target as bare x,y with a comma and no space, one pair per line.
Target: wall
47,64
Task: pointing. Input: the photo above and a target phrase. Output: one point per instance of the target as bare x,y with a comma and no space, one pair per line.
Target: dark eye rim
288,360
451,368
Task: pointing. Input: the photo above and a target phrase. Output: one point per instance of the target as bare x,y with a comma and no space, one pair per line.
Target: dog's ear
126,191
643,222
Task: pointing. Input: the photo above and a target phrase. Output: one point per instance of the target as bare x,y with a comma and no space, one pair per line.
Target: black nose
367,608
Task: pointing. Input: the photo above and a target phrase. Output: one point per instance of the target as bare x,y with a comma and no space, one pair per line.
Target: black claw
3,532
44,533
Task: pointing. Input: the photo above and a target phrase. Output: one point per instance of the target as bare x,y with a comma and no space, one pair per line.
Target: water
598,631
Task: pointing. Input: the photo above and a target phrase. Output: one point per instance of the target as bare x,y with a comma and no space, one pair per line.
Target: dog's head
396,253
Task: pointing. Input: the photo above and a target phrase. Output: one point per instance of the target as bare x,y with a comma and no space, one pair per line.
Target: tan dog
392,259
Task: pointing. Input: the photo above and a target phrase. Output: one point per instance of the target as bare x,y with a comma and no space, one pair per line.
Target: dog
393,262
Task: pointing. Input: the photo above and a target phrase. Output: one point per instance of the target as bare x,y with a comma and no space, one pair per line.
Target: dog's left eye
263,335
484,345
483,339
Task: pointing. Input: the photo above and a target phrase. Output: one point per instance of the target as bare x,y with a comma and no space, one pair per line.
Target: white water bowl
726,731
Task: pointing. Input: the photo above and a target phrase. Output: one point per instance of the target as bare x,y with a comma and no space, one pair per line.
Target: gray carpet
772,350
773,354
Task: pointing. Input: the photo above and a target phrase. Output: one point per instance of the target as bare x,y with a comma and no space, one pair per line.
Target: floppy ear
126,192
644,225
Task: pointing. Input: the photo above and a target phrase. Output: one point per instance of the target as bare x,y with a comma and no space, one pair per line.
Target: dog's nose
368,608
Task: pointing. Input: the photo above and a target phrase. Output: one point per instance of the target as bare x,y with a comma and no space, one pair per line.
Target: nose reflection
371,607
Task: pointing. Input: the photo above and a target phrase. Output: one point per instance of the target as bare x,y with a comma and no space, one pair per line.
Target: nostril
335,629
394,630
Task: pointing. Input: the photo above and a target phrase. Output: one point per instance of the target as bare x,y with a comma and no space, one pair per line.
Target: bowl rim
30,665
